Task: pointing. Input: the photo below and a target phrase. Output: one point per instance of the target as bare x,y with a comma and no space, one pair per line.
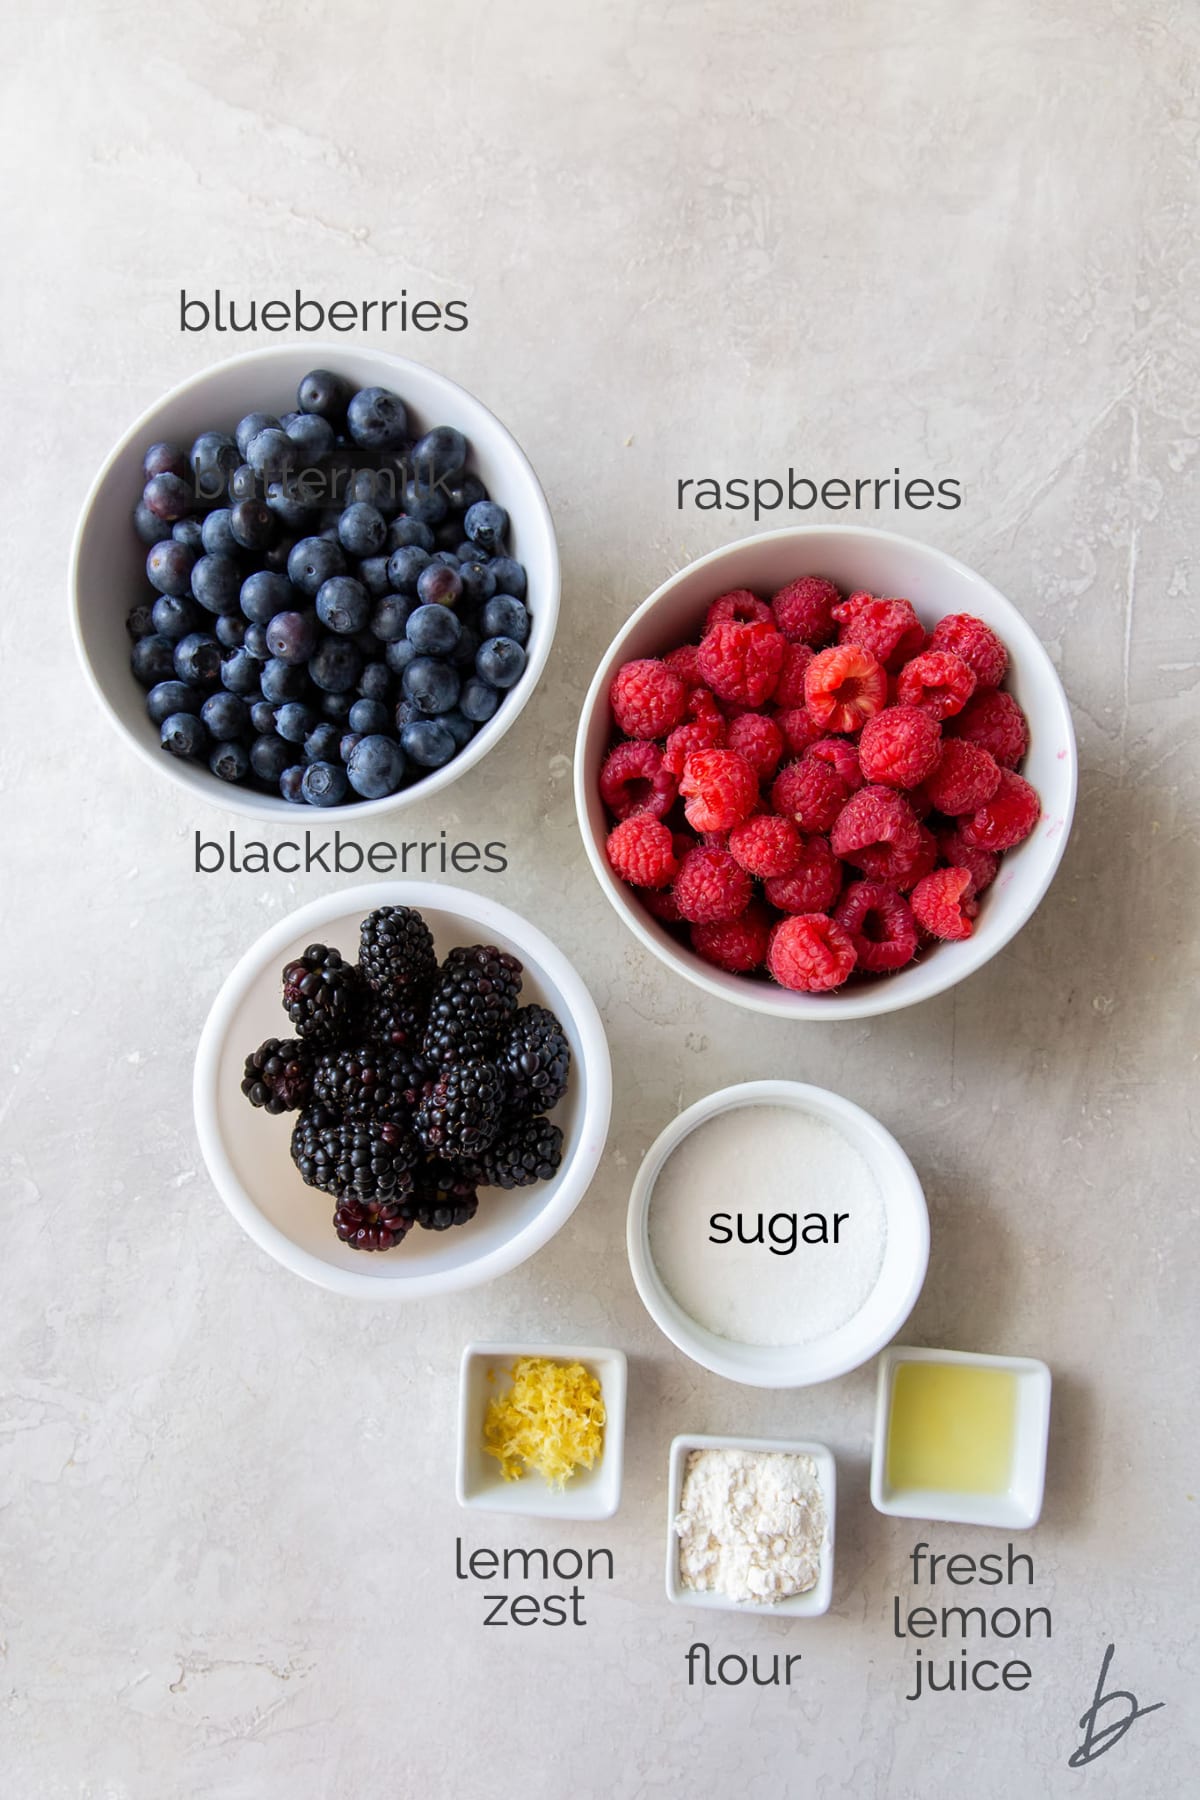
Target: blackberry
396,953
278,1075
461,1111
535,1059
353,1159
322,995
400,1023
443,1195
372,1224
369,1081
474,998
529,1151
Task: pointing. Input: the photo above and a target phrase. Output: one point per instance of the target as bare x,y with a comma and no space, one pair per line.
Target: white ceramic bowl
591,1493
809,1605
1019,1505
905,1257
246,1151
936,584
108,561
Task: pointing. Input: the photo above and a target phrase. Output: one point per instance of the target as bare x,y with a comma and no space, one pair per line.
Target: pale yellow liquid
951,1428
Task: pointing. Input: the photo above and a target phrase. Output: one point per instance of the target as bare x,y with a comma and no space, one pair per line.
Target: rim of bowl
489,734
479,911
869,1001
903,1196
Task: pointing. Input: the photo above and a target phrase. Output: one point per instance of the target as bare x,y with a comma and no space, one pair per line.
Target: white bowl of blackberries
411,1100
308,585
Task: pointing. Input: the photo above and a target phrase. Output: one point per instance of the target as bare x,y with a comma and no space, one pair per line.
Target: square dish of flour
745,1553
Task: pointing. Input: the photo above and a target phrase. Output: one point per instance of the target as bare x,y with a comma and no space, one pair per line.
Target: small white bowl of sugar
778,1234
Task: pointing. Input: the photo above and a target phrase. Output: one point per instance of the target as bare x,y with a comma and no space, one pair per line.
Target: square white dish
592,1493
809,1605
1019,1506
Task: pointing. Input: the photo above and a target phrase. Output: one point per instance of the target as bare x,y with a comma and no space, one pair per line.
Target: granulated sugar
804,1196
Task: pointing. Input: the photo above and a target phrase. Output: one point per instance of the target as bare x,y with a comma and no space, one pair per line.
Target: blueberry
249,428
255,642
407,713
217,583
369,716
312,435
467,552
439,454
433,630
346,744
343,604
275,560
169,566
486,524
314,560
225,716
263,594
439,585
168,697
505,617
324,784
479,700
149,527
198,659
375,681
216,533
375,767
139,620
500,661
429,742
458,725
270,756
252,523
230,631
429,504
292,637
448,559
272,454
377,418
405,533
241,673
373,573
229,762
321,744
446,536
262,717
152,659
405,567
175,616
291,784
362,530
398,655
509,576
478,581
463,493
189,533
288,506
243,483
168,497
294,721
334,665
324,393
282,681
164,459
466,648
214,456
183,736
434,686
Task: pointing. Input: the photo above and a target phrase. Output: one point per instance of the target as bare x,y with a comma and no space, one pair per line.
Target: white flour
766,1170
751,1524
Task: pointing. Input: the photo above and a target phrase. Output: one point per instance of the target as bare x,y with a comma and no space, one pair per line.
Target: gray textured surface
695,239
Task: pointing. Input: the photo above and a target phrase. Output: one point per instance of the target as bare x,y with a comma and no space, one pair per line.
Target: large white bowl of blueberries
320,577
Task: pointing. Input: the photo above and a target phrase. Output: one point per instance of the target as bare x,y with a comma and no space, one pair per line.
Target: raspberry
720,788
976,643
641,852
944,903
789,689
811,793
889,629
900,746
800,730
741,663
702,703
877,831
844,687
810,953
685,662
740,945
704,733
842,758
1007,818
647,698
965,778
982,865
634,779
812,885
921,863
710,887
804,610
759,740
938,681
766,845
661,903
995,722
880,925
740,605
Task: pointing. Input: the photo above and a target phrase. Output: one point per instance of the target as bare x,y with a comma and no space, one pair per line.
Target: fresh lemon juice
952,1428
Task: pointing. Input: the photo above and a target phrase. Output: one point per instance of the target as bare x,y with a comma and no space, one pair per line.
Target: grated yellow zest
551,1419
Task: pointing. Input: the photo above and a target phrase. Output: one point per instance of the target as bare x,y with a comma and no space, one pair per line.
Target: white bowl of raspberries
402,1090
826,772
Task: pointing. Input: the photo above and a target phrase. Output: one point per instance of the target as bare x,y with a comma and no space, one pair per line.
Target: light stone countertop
695,239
